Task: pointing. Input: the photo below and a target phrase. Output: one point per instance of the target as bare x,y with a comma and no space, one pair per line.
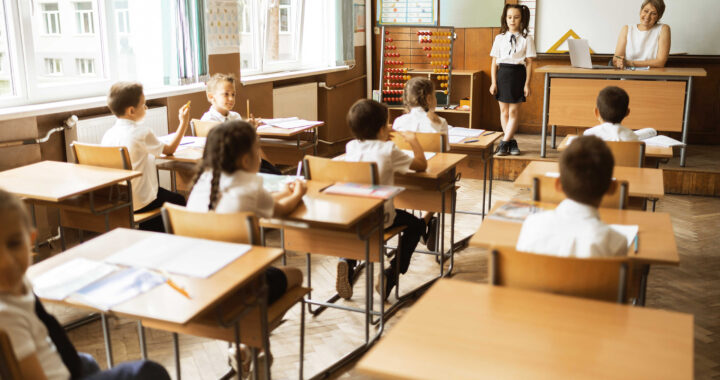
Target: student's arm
662,53
419,163
31,369
493,76
619,58
184,116
528,75
287,204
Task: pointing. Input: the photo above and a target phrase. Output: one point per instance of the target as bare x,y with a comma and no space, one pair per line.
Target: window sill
92,102
263,78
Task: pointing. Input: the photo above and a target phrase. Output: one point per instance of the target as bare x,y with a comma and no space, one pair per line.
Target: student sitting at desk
127,102
368,122
221,95
611,108
420,102
40,345
574,228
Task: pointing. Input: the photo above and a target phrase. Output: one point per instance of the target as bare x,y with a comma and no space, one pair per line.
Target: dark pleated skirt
510,83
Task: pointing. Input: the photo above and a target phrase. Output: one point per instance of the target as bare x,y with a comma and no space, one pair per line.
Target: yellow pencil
247,108
177,287
188,103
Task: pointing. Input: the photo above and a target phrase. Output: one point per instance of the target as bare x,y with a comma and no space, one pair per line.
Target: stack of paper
118,288
629,231
363,190
61,281
179,255
514,212
290,123
186,142
465,132
275,183
663,141
428,155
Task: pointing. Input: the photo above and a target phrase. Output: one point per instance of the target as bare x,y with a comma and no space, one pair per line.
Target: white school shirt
238,192
144,147
611,132
505,50
213,115
389,159
642,45
28,334
573,229
417,120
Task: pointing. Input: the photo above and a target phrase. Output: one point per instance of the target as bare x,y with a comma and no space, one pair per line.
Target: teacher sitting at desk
646,43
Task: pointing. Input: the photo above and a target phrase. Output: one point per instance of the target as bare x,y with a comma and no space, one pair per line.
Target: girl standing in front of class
512,52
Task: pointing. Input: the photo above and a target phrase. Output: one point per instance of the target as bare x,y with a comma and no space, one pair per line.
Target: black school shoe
430,235
343,281
390,282
514,150
503,148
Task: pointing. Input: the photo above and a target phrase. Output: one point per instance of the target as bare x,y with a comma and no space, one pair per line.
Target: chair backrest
627,153
9,366
240,227
325,169
430,142
202,128
596,278
544,190
115,157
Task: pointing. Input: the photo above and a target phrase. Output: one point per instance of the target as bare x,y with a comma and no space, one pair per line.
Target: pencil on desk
637,242
247,108
177,287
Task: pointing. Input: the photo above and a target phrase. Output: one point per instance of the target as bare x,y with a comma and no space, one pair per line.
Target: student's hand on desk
297,187
619,62
255,122
184,114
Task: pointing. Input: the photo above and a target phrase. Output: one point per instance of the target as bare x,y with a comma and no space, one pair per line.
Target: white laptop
580,54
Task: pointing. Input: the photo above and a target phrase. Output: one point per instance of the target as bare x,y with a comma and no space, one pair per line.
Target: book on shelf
363,190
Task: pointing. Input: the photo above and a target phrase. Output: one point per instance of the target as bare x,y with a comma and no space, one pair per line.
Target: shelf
453,72
437,110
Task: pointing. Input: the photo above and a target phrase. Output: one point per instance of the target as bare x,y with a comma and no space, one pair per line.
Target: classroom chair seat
201,128
595,278
9,365
627,153
544,190
430,142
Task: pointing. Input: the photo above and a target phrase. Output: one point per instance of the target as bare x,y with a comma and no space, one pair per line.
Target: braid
525,20
214,184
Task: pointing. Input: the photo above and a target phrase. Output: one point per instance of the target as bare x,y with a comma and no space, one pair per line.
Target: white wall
695,24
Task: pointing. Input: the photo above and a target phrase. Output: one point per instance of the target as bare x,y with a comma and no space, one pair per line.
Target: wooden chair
234,228
9,366
325,169
115,157
544,190
430,142
596,278
201,128
627,153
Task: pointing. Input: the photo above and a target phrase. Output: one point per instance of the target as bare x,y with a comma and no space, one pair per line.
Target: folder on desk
363,190
58,283
118,287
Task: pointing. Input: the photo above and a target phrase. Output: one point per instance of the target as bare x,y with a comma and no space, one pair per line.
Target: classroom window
6,79
122,17
53,66
84,17
286,35
51,18
85,66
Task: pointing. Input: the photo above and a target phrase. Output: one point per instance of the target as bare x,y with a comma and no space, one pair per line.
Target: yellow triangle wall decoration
570,33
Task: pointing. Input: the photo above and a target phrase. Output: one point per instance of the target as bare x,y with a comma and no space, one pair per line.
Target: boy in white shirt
127,102
611,108
220,90
574,228
39,342
368,122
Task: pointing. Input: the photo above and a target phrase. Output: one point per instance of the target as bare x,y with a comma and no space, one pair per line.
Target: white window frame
246,18
81,16
47,16
290,13
85,66
53,66
122,18
292,64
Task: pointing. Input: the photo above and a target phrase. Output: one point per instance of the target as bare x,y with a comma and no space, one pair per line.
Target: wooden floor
694,287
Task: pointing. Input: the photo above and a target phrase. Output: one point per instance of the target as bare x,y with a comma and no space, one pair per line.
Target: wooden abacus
410,49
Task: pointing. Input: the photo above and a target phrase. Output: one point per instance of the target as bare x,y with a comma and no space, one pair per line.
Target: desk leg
654,202
141,339
485,171
553,136
643,285
546,99
264,328
176,354
686,120
108,343
302,338
492,164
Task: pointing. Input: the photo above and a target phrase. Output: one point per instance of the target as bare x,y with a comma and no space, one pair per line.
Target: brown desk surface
655,233
644,182
163,303
650,150
191,155
483,142
437,166
664,71
503,333
56,181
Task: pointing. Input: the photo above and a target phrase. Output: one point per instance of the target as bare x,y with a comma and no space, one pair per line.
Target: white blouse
513,48
642,45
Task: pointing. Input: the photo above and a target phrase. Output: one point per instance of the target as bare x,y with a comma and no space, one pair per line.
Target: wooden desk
653,151
56,181
659,97
644,182
481,150
504,333
163,304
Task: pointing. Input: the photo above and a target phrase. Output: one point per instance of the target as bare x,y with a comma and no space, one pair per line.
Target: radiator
91,130
300,100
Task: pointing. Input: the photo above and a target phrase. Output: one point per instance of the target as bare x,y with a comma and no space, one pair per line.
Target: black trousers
163,195
409,239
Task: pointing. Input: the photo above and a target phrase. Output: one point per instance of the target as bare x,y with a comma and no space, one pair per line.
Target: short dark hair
612,102
366,118
9,202
123,95
658,4
586,168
